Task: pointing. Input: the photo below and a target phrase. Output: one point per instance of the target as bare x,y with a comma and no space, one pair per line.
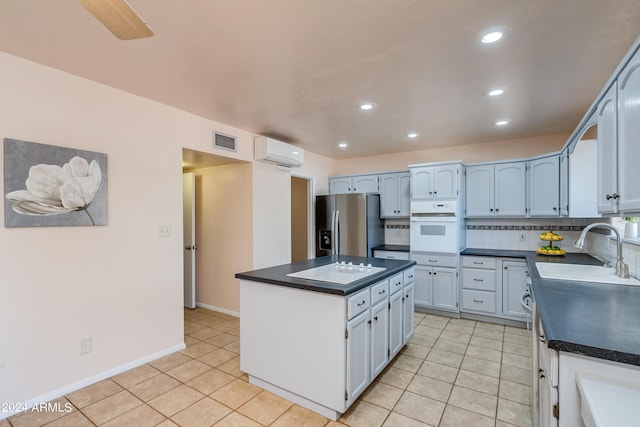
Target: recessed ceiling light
502,122
492,37
366,106
412,134
495,92
343,145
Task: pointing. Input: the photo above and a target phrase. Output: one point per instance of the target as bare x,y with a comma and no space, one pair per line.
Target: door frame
311,223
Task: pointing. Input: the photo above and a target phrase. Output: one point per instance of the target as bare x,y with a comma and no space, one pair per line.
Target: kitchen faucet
622,269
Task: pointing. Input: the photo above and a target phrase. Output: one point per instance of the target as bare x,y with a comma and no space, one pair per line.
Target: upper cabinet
607,115
435,182
629,136
395,195
353,184
618,115
544,187
496,190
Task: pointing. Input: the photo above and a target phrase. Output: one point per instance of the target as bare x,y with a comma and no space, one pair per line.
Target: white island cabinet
318,349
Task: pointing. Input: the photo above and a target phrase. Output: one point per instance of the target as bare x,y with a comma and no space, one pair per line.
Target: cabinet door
629,137
358,356
445,289
564,183
514,283
339,185
510,189
607,152
424,286
408,305
479,190
544,187
388,195
422,183
404,195
445,182
396,321
379,337
365,184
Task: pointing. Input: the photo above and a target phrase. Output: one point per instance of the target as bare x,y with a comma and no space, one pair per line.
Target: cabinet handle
497,209
433,260
430,273
478,280
478,300
390,257
541,374
434,273
615,196
491,210
375,318
555,209
381,292
362,303
478,263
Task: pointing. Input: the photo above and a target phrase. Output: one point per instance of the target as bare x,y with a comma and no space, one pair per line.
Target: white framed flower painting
46,185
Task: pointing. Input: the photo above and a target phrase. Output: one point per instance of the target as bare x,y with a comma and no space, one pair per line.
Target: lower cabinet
358,355
396,323
437,286
408,304
375,335
514,283
492,286
379,337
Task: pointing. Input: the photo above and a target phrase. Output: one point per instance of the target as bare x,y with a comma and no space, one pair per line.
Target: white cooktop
340,273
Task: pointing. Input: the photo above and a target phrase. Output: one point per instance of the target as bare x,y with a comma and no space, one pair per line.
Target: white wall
119,284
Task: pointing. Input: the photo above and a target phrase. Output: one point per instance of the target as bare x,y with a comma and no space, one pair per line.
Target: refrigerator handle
336,238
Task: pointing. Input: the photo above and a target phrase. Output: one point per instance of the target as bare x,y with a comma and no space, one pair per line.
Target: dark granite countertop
599,320
396,248
278,275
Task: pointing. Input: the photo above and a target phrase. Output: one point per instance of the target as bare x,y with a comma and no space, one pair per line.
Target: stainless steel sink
582,273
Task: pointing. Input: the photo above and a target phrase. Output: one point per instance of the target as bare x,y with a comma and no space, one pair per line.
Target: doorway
220,226
301,218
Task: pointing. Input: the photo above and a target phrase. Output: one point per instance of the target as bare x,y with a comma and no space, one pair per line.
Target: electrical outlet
86,345
523,237
164,231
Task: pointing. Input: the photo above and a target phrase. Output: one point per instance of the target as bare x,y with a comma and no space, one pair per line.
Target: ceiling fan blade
119,17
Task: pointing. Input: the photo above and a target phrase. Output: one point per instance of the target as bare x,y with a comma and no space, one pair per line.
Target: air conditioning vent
226,142
282,154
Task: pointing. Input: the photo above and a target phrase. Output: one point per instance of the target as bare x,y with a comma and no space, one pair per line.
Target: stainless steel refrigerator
348,224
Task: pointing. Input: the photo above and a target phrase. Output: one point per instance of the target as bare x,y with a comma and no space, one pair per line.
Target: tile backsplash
523,233
396,231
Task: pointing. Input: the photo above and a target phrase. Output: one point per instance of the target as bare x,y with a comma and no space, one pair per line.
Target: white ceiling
296,69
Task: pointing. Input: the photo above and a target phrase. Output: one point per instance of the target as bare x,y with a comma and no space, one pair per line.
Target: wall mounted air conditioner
280,153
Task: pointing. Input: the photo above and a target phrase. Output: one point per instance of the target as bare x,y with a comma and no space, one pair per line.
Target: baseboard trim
218,309
94,379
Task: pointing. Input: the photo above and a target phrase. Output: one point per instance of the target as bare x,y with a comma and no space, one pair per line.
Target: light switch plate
164,231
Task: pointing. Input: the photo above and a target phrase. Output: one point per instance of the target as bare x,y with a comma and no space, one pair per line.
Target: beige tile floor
452,373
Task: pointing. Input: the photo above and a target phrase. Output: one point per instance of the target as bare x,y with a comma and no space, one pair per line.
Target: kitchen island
320,343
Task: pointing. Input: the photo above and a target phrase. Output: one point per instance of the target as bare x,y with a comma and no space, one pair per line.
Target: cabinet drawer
436,260
391,255
358,303
483,280
395,283
379,291
479,301
409,276
479,262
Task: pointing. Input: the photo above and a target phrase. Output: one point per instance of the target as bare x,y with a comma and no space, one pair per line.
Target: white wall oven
435,227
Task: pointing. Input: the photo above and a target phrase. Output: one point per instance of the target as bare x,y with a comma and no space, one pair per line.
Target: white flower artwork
72,192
